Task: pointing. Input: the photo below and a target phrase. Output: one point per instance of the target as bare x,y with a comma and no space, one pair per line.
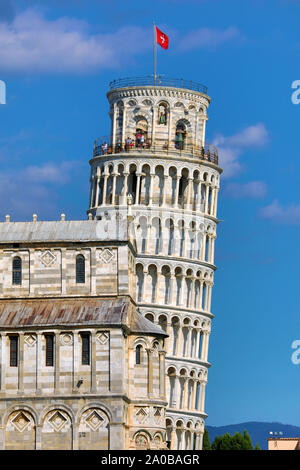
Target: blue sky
57,58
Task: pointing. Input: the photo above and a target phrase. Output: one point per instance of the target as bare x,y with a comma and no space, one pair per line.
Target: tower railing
158,81
103,147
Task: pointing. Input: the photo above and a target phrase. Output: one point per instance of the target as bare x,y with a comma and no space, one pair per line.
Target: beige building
105,323
284,443
70,332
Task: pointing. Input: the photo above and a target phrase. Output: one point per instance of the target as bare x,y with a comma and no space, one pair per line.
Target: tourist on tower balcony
118,146
104,148
127,143
138,139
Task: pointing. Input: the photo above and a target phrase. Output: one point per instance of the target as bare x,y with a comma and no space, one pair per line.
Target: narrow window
80,269
138,350
17,271
49,350
13,351
85,356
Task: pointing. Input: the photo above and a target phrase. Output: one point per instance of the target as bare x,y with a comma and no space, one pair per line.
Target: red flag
162,39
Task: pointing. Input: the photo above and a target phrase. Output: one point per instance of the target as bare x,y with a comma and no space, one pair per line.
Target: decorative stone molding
30,339
47,258
106,255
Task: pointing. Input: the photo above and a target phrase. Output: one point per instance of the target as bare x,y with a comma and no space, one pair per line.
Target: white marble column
138,185
152,176
188,341
125,188
113,199
106,175
206,199
176,202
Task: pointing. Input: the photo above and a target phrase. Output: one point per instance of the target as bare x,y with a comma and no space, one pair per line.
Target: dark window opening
14,343
138,351
17,271
49,350
85,358
80,269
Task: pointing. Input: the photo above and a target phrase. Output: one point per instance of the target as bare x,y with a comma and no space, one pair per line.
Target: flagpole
154,62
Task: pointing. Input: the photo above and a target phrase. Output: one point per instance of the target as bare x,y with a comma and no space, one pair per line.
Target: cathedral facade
105,323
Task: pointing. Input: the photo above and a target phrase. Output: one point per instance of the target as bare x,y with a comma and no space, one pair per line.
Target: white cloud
289,215
34,189
49,173
231,148
207,37
253,189
31,43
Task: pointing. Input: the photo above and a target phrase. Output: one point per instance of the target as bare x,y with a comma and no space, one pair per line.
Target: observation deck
159,81
104,147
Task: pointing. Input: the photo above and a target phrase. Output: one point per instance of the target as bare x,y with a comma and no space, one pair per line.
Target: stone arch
175,327
140,281
94,429
158,185
163,321
179,284
132,102
142,232
142,439
183,187
152,275
169,429
147,102
172,185
150,317
170,236
20,430
141,123
179,433
145,184
57,429
183,134
158,439
163,112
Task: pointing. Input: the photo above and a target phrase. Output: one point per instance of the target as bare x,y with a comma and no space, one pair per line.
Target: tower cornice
158,92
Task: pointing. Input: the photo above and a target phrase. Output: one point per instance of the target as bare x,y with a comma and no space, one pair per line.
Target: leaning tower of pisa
156,161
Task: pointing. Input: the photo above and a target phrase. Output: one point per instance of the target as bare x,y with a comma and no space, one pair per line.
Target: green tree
247,440
238,441
216,442
257,447
206,441
222,442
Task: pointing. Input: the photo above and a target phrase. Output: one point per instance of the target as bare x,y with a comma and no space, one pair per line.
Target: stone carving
30,340
157,414
48,258
57,421
66,339
162,115
106,256
103,337
21,421
94,420
141,441
141,415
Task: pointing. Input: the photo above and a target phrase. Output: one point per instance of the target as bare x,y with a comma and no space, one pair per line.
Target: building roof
67,312
140,324
64,231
